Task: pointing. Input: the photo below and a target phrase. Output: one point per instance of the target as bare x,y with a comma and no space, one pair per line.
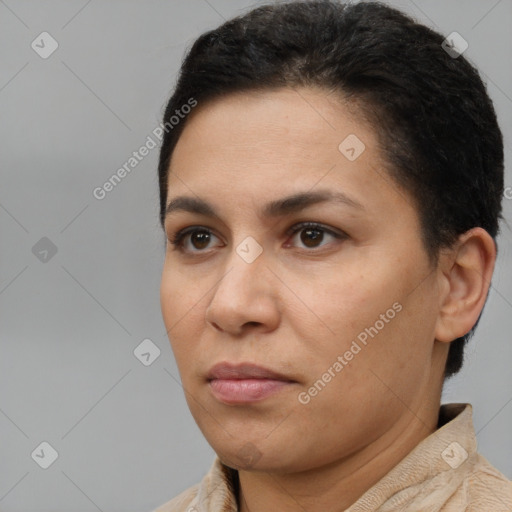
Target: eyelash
177,239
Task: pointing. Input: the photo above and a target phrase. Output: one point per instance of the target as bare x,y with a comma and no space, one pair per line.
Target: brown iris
202,237
311,235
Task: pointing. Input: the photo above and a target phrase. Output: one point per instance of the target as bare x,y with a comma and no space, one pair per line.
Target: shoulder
486,488
184,502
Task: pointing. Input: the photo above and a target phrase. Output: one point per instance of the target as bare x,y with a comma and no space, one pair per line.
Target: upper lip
227,370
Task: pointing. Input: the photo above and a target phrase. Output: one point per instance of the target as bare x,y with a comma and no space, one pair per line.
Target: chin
248,456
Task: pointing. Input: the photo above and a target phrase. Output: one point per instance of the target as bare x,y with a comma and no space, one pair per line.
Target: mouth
245,383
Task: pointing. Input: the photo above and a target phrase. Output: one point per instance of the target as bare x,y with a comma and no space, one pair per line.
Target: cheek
181,307
351,300
368,314
179,294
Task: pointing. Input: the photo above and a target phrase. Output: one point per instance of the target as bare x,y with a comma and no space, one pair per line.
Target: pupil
311,238
202,238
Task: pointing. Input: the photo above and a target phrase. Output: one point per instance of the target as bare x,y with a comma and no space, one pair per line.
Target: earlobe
466,280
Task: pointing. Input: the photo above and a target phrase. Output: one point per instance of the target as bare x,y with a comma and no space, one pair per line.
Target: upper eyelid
294,227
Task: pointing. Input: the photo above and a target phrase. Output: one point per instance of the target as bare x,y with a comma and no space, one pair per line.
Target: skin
303,301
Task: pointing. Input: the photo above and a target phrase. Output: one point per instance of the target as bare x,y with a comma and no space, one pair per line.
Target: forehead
281,119
283,131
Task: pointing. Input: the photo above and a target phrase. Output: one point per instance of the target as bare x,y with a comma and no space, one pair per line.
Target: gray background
69,325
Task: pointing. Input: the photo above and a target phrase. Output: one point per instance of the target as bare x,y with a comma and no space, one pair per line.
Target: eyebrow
279,207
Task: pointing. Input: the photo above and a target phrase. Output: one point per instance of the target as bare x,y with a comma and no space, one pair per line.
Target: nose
246,297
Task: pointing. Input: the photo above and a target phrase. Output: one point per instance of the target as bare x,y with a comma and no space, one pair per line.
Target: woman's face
344,311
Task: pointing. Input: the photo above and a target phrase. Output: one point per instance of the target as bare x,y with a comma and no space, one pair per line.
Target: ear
465,274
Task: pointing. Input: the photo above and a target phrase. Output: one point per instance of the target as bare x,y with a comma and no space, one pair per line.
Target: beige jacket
444,473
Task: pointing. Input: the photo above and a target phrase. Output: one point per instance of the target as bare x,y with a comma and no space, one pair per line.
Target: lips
244,371
245,383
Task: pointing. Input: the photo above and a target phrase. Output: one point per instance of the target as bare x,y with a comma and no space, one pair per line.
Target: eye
312,233
199,238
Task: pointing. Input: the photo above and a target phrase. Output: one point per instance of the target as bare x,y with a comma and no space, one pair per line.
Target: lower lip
237,391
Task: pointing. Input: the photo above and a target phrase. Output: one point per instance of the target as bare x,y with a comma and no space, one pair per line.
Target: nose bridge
245,265
242,294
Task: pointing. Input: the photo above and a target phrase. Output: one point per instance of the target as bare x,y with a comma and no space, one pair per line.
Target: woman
330,189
